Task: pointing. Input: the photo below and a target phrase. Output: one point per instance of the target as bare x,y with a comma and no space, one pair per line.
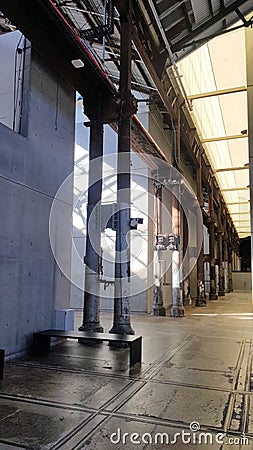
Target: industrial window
14,54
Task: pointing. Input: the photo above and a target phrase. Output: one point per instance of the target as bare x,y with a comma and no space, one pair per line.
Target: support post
158,307
225,253
2,355
91,308
121,319
186,283
201,298
221,291
211,229
230,281
249,66
177,308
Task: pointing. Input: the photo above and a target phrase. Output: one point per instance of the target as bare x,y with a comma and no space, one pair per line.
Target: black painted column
91,308
211,229
201,298
121,319
221,291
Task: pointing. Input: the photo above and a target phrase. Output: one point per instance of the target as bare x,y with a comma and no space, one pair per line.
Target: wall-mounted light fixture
77,63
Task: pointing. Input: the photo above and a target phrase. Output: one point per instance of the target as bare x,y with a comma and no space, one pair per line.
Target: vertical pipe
121,319
91,309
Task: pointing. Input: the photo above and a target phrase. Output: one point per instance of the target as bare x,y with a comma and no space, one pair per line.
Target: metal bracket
167,242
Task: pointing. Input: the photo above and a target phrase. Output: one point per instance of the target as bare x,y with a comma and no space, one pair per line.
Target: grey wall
31,171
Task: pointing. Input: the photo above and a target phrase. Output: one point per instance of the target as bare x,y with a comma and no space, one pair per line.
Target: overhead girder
43,24
189,134
56,41
179,42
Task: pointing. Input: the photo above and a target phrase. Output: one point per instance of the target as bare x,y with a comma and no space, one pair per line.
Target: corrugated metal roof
189,23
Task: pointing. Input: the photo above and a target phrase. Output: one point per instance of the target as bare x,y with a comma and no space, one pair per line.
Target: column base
176,311
213,296
158,311
91,327
221,293
158,308
122,328
200,301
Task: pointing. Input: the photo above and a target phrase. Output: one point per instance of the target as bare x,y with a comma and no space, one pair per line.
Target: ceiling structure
189,23
170,32
183,27
222,119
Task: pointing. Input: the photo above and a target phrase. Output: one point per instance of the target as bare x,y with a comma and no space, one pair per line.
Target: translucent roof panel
222,119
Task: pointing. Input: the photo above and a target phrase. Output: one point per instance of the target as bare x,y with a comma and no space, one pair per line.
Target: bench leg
2,355
135,352
41,344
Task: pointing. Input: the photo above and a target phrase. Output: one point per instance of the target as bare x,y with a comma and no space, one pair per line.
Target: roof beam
224,138
210,7
170,10
232,90
189,26
241,16
152,72
237,203
231,169
235,189
180,41
243,226
243,212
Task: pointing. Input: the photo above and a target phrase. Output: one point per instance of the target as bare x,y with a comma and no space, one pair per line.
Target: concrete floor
195,369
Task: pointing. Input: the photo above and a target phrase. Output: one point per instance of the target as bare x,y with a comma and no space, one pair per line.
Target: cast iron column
249,66
186,282
225,252
211,229
121,320
158,309
176,308
91,308
230,281
201,298
221,291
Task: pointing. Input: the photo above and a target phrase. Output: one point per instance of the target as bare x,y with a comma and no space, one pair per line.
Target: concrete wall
31,171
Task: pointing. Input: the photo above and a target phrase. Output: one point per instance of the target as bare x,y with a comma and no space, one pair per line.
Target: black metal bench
2,355
42,341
